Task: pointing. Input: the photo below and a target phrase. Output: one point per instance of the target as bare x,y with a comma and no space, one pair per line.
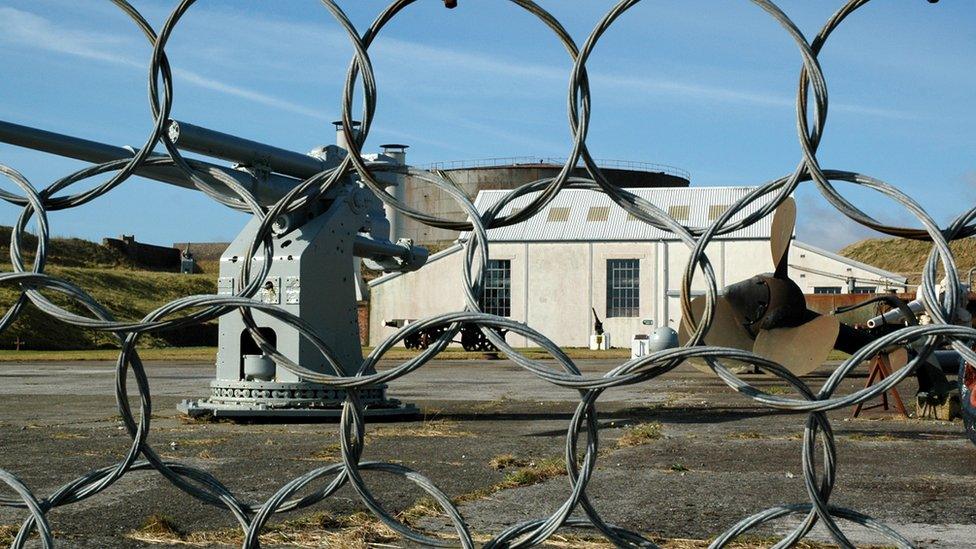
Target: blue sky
704,85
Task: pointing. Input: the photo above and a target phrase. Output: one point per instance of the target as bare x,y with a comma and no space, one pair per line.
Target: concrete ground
709,458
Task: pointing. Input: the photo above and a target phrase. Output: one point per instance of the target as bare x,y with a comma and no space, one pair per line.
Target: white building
583,252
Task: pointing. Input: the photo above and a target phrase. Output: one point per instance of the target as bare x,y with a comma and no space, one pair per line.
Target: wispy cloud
654,85
31,30
27,29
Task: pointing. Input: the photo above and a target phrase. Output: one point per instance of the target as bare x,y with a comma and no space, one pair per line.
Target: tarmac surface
720,457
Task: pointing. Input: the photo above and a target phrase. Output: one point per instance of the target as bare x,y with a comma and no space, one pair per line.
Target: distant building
582,251
145,255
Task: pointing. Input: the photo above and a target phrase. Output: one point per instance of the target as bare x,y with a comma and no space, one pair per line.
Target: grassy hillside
128,294
907,257
65,252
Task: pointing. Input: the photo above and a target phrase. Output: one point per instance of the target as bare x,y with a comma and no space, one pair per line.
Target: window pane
598,213
826,289
623,287
497,297
558,214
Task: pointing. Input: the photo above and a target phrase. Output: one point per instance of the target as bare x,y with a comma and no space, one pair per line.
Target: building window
715,211
623,287
679,213
864,289
558,214
826,289
598,213
497,297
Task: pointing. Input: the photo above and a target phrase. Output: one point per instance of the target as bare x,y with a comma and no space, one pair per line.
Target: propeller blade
726,330
780,234
802,349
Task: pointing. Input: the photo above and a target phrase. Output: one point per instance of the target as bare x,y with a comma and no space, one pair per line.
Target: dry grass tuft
330,453
506,461
207,455
533,473
640,434
422,508
160,526
356,531
748,435
201,441
430,428
7,534
868,437
64,435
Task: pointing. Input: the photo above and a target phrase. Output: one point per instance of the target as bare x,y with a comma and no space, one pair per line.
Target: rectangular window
679,213
623,287
864,289
558,214
826,289
497,299
598,213
715,210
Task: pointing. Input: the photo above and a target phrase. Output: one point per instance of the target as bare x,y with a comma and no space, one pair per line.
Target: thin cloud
27,29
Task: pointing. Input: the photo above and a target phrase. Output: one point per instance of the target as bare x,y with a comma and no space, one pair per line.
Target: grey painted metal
314,256
662,338
246,152
271,189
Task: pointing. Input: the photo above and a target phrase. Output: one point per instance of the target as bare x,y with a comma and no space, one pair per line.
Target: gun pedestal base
262,399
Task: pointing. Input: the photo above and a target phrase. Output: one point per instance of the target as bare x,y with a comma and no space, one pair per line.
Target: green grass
201,354
66,252
640,434
128,294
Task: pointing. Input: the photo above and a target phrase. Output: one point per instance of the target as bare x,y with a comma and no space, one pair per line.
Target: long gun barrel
243,151
895,315
268,192
212,143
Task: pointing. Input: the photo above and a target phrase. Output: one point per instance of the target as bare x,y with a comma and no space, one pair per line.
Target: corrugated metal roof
700,202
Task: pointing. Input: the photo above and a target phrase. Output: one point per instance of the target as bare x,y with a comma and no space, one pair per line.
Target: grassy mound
907,257
128,294
66,252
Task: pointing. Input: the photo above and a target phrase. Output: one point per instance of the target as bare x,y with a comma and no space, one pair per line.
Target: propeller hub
765,302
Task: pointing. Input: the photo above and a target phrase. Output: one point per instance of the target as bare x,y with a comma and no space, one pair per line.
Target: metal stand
312,277
317,253
880,369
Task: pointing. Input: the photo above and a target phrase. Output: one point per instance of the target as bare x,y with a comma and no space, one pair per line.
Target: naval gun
316,255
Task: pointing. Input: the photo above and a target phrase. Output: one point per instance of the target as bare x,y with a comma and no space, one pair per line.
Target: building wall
555,284
146,255
622,327
436,288
802,259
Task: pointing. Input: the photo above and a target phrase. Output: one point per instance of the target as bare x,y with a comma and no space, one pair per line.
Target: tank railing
549,160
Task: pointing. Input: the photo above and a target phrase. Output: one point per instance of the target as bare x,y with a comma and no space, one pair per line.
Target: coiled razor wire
252,516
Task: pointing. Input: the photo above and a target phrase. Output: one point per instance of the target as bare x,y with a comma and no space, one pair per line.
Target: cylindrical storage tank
474,176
